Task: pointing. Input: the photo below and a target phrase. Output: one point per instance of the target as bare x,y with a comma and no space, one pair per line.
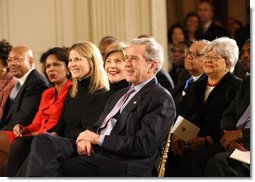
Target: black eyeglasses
213,57
192,54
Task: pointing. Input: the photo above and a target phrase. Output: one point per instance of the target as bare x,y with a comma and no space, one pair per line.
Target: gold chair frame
162,164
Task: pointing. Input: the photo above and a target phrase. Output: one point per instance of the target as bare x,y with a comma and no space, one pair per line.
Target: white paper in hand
242,156
184,129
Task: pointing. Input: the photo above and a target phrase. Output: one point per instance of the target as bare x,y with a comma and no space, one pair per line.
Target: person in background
104,43
24,99
205,103
7,80
80,110
242,68
209,30
193,63
192,26
55,65
234,26
242,34
178,71
176,33
42,62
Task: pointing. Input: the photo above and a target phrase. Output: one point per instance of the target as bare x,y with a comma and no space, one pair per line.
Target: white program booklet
184,129
242,156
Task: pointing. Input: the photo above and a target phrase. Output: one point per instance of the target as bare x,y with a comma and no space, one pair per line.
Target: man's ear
31,60
153,66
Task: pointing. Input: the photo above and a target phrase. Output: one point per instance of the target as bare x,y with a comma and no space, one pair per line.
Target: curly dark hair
5,48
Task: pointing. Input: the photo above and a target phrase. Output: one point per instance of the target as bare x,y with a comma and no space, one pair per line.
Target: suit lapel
17,101
131,106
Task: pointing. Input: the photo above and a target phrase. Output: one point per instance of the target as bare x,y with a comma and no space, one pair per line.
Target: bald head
22,50
20,61
199,45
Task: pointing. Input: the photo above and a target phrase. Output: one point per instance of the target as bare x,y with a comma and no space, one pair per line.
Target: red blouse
48,113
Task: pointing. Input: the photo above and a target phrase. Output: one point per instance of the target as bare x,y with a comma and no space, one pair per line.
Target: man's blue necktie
187,84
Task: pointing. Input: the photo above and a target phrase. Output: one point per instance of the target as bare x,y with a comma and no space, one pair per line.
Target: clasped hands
85,142
18,130
231,140
194,144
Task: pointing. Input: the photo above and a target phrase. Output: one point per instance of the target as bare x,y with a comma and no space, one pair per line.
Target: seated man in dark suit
129,143
25,96
193,64
165,80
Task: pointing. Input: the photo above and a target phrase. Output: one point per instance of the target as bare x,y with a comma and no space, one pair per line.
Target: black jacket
24,107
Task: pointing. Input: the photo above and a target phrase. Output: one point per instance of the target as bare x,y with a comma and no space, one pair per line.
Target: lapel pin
134,102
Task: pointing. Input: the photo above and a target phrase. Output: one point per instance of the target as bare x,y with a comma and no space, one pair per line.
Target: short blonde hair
116,47
98,77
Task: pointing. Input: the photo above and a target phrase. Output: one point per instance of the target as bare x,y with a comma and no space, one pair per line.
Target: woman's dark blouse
207,115
82,111
69,124
101,99
117,86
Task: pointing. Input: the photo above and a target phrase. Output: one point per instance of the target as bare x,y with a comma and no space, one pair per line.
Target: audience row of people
205,102
89,88
201,25
81,128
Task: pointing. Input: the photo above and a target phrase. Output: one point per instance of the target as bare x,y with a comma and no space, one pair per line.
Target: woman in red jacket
55,68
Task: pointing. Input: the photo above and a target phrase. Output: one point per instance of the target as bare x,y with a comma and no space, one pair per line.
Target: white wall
44,24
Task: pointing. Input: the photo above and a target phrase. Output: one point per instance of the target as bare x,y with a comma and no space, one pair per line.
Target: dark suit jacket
178,90
165,80
213,32
24,107
207,115
135,141
178,74
236,109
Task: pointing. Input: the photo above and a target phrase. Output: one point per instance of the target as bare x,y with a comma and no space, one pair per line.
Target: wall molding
4,17
59,22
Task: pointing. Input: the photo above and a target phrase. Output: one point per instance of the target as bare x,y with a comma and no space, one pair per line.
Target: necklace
212,85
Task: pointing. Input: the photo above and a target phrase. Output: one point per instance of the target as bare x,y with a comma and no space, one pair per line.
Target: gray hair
153,50
203,40
225,47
